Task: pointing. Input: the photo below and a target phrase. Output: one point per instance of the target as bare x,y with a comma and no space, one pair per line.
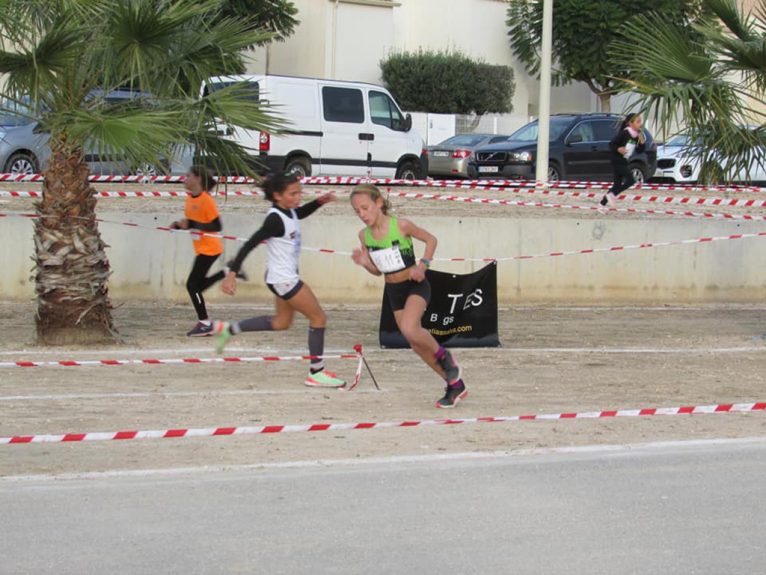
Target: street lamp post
544,112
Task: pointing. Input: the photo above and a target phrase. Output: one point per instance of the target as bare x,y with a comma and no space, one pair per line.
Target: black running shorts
398,293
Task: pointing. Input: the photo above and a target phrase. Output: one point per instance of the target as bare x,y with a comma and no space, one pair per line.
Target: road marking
608,449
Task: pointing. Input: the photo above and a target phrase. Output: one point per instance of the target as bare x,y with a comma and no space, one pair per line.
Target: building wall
346,40
154,265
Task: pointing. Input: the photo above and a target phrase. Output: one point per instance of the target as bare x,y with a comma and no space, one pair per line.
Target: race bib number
630,148
388,260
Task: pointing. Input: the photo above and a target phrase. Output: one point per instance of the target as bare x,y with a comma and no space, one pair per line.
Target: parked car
24,147
676,164
579,150
450,158
336,128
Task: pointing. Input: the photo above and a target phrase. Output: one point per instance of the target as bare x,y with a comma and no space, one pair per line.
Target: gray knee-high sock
262,323
316,347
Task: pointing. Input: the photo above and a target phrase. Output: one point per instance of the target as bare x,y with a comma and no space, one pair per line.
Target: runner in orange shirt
201,214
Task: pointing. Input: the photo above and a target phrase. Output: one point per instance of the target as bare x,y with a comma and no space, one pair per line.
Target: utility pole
544,111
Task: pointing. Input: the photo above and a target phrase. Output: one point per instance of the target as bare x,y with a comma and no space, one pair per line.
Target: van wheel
21,163
409,170
298,166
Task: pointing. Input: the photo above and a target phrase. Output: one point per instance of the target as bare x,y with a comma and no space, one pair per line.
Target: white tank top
284,252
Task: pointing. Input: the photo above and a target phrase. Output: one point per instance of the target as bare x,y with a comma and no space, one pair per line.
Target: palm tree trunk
605,102
72,268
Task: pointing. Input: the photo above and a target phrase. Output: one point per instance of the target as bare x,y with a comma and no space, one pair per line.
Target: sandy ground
553,359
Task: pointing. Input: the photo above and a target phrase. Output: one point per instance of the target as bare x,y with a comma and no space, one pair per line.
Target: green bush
448,83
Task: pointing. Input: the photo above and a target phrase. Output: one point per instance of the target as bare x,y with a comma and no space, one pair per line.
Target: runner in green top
387,249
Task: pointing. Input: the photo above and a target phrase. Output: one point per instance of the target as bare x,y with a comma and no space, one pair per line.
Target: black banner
462,311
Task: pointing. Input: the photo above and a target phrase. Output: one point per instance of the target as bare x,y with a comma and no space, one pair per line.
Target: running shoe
201,330
452,370
222,330
611,200
324,378
453,394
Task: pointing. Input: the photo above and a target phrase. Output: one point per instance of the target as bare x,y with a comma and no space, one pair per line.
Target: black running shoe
453,395
201,330
452,371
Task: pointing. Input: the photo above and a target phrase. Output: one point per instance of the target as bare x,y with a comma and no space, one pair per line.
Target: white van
335,128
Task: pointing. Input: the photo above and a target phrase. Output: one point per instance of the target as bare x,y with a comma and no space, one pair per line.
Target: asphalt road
685,509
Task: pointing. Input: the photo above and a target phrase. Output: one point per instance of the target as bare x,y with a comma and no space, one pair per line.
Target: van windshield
529,132
251,88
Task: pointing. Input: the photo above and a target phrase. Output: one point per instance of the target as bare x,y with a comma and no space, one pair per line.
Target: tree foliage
711,79
448,83
61,59
278,17
583,33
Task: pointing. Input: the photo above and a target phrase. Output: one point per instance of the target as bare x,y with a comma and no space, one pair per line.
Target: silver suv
24,148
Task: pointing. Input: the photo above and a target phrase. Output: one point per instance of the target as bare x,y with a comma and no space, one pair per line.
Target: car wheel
21,163
554,175
298,166
408,171
149,170
639,173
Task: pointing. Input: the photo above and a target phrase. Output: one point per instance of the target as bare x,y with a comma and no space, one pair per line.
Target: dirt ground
553,359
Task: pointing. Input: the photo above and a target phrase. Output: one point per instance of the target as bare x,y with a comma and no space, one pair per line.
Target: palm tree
61,60
710,78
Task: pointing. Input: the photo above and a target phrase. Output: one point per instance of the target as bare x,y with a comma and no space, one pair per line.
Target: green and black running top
393,253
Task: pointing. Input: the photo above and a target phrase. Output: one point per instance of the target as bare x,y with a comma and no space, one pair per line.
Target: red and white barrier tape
315,427
671,200
132,179
171,361
510,184
498,202
585,251
350,181
532,204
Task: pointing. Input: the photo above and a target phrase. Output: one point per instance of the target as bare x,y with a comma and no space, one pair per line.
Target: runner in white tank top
281,231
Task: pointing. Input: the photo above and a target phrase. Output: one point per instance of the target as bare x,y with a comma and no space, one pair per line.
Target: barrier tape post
359,349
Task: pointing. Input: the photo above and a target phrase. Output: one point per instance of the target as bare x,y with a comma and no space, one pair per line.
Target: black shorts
286,290
398,293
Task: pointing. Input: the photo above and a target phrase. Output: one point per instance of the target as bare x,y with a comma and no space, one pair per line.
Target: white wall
154,265
347,39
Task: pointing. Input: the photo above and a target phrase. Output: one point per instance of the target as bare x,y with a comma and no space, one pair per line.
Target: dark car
579,150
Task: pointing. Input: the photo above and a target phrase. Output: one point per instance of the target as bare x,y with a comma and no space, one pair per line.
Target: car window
498,139
679,140
585,132
253,89
384,112
343,105
529,132
13,115
605,130
463,140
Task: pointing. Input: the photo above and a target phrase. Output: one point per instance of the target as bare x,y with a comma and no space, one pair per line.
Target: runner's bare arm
410,229
361,257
